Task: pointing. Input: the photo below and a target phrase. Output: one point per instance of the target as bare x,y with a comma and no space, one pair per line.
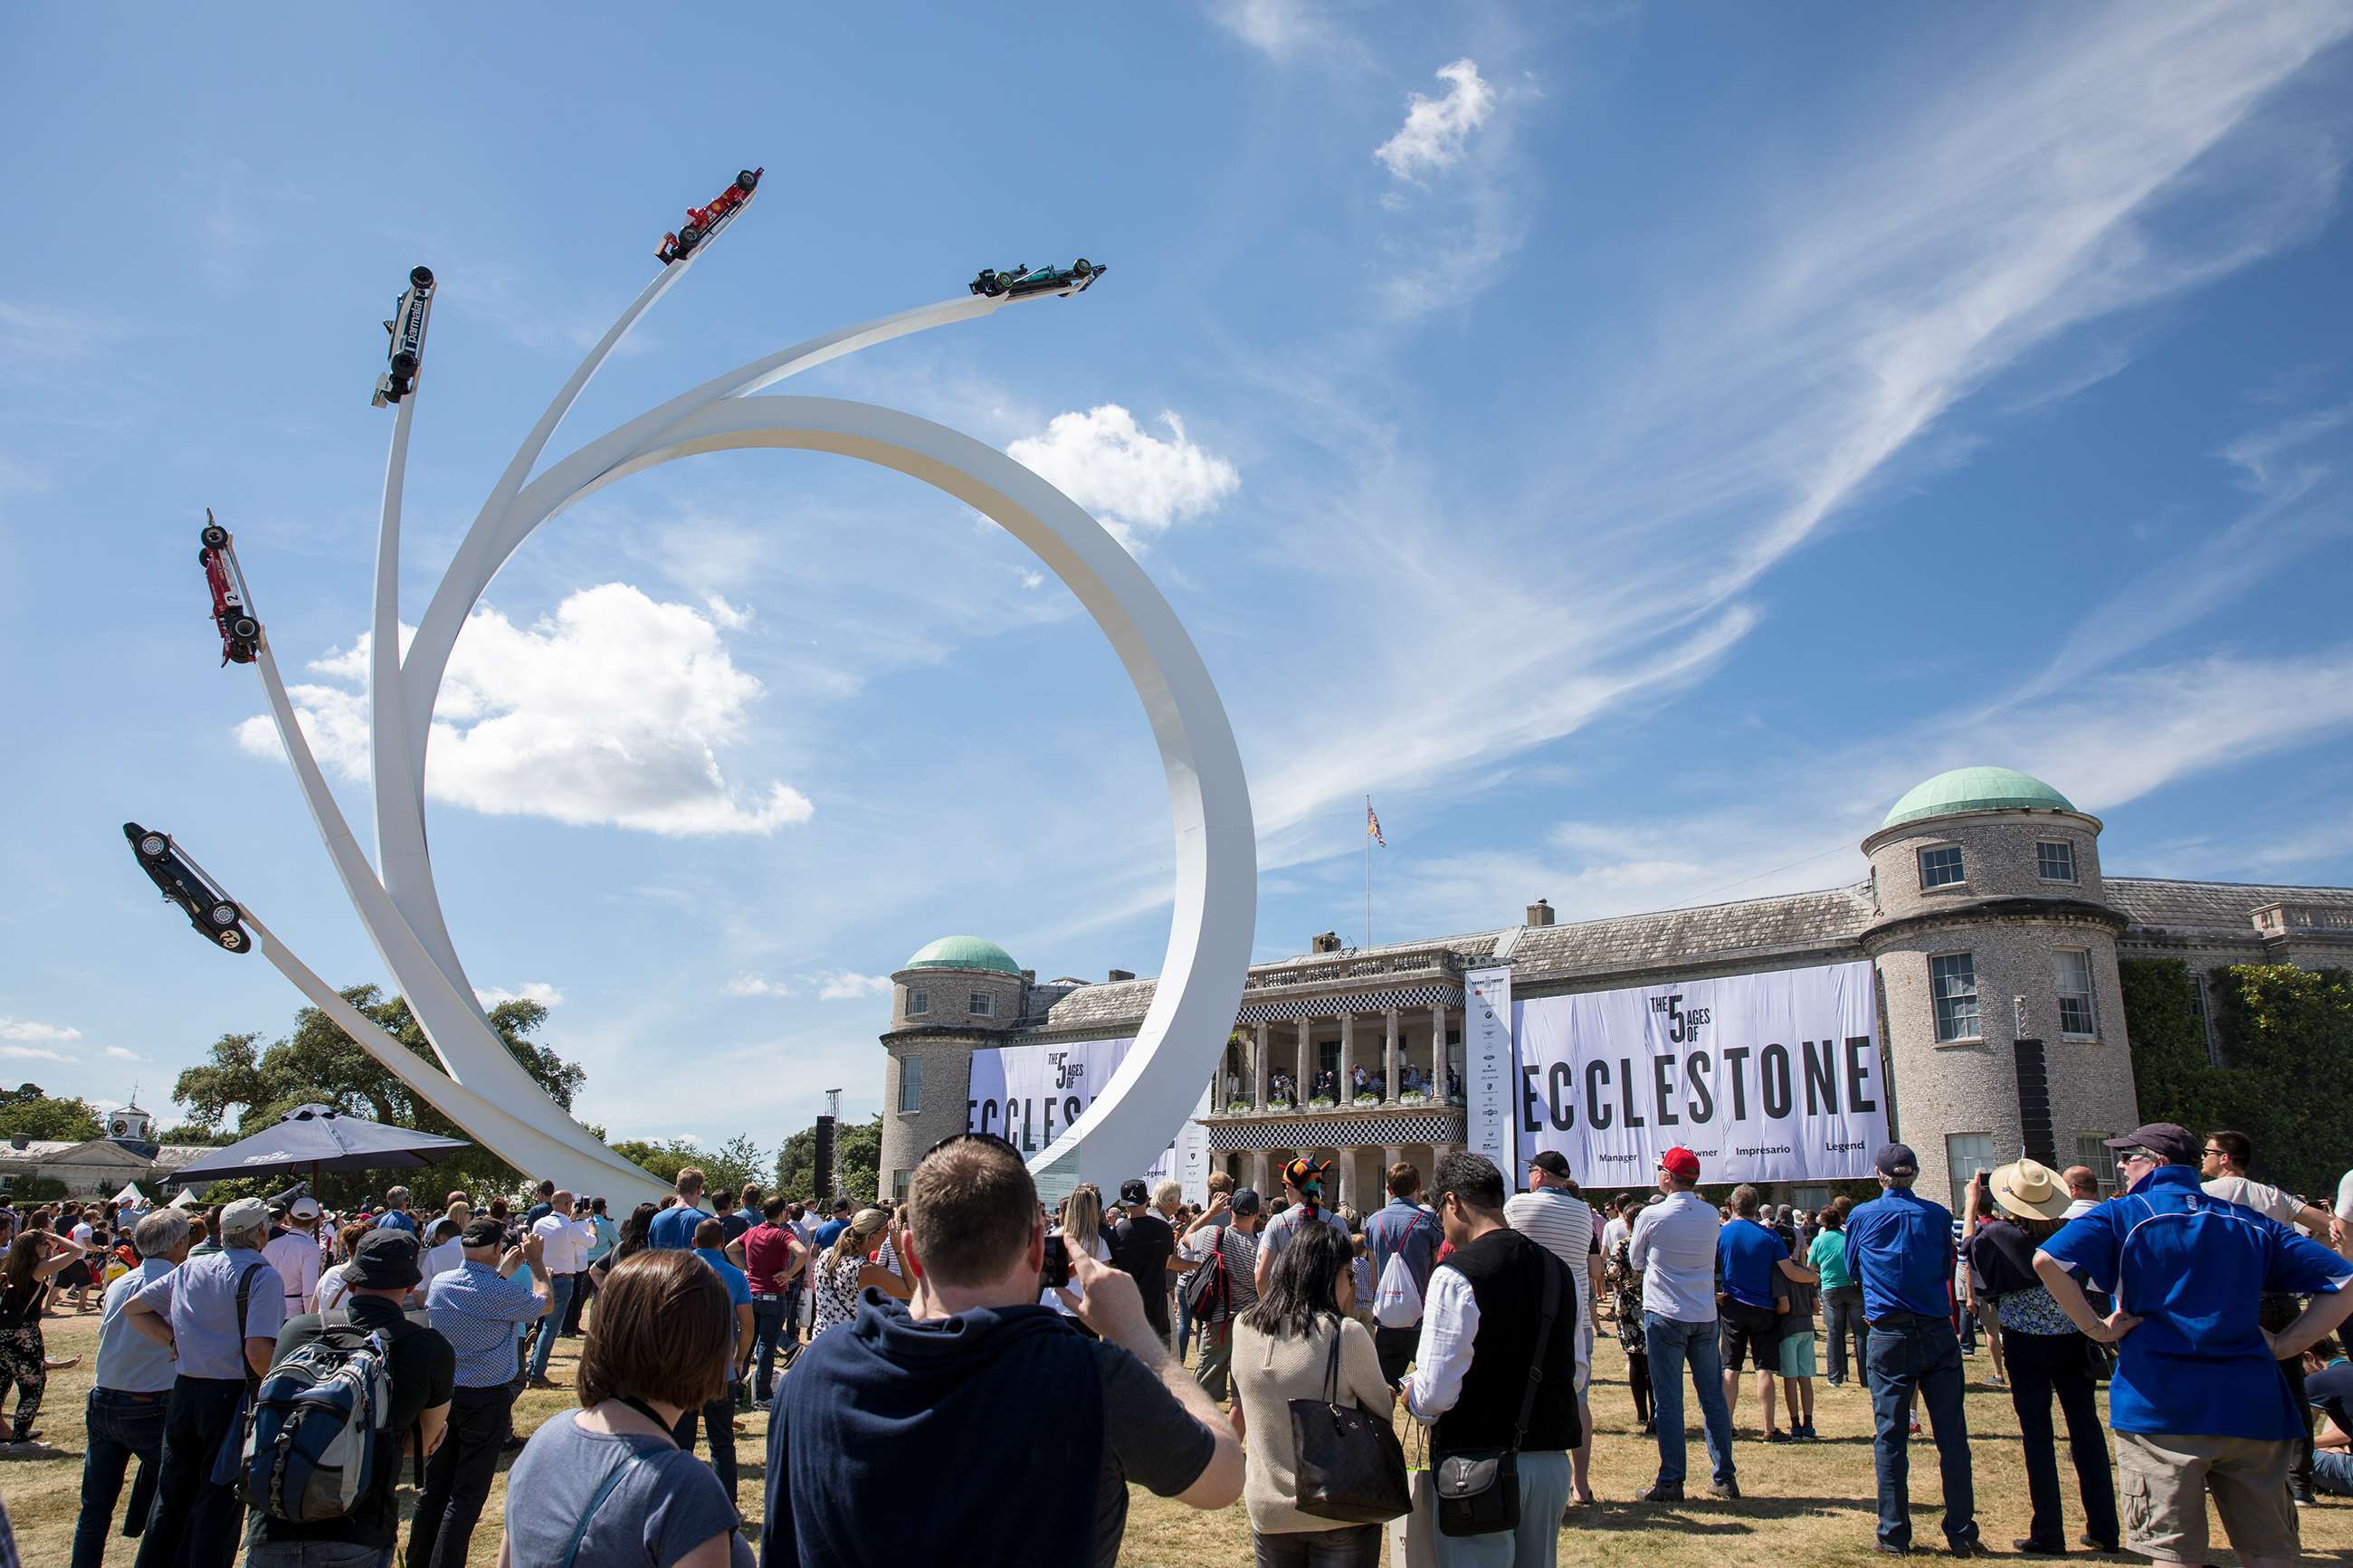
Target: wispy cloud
754,986
1284,31
125,1053
1436,129
32,1054
843,986
1137,483
33,1029
539,991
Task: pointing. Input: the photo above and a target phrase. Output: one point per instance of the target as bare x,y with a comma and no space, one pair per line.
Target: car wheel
214,536
244,629
689,237
403,366
222,914
420,277
233,940
747,179
154,845
1079,268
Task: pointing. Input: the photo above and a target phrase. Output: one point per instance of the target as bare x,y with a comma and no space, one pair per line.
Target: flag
1372,823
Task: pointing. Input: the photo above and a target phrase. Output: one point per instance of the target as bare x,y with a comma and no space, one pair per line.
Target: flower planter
1322,1102
1367,1100
1413,1097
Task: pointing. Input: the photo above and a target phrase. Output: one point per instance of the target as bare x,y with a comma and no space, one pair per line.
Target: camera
1056,1275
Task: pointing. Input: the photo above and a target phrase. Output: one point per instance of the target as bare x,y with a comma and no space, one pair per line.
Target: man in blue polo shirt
1901,1245
1747,1255
2197,1401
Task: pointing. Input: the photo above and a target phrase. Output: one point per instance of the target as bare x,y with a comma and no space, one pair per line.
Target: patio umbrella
316,1138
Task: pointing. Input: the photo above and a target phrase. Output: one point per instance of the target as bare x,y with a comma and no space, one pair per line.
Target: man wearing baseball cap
294,1253
1901,1245
2197,1401
1673,1249
384,1268
1551,1214
220,1313
1142,1246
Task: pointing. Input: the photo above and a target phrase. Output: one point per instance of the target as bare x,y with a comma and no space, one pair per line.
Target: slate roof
1786,922
2162,903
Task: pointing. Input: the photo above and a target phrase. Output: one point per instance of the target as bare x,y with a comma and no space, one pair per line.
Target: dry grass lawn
1805,1503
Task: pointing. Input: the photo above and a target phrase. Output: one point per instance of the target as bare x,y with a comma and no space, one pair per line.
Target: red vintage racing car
701,223
240,634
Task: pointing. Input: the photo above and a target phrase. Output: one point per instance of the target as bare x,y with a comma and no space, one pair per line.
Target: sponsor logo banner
1768,1078
1490,1080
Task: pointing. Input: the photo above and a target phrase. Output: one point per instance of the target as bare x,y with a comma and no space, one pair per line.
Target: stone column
1391,1051
1258,1165
1261,1060
1347,1056
1306,1058
1390,1154
1437,1052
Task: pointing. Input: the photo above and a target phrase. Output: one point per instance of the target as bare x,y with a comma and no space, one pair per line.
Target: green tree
246,1088
857,1157
730,1166
64,1121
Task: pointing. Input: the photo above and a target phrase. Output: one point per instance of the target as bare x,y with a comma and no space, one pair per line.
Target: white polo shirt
1675,1246
564,1242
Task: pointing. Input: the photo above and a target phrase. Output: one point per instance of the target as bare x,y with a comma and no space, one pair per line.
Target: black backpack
1209,1293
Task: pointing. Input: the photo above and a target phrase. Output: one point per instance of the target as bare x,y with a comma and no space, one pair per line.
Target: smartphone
1056,1275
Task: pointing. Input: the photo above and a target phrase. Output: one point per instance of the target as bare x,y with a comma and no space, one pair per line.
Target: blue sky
1634,454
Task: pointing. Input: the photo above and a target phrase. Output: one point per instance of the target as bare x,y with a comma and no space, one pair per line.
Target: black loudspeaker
825,1159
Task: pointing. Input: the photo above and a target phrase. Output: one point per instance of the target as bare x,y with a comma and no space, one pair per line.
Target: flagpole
1368,871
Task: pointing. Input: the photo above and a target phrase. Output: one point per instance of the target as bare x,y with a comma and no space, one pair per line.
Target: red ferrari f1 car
701,223
240,634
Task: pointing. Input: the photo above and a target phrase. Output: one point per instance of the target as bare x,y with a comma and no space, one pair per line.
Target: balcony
1326,971
2295,919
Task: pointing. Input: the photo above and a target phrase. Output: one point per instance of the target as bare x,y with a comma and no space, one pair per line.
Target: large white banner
1029,1095
1768,1078
1490,1079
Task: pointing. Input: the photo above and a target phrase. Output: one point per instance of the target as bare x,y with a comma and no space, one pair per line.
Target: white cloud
31,1053
1280,29
842,985
728,616
754,986
125,1053
27,1029
1436,129
610,711
538,991
1132,481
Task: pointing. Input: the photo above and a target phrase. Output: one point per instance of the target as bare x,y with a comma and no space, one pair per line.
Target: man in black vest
1487,1362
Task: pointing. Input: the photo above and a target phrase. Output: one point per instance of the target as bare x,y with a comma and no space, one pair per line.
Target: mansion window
984,1005
1953,982
1966,1153
911,1083
918,1004
1940,867
2077,1018
2056,862
2092,1148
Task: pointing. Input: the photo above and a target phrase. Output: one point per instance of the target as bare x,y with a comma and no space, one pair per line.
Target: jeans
1544,1498
2042,1366
119,1426
1637,1380
1674,1342
457,1477
1213,1372
316,1554
1349,1546
559,1301
1843,1316
194,1523
2332,1471
719,1417
1911,1354
771,1328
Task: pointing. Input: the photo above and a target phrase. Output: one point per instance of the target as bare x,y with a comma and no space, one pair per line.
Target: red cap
1680,1162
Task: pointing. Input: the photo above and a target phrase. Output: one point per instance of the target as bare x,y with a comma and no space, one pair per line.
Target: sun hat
2030,1190
384,1261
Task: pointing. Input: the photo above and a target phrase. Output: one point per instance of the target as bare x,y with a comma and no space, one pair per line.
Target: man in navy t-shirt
1747,1256
831,1231
2198,1402
1900,1247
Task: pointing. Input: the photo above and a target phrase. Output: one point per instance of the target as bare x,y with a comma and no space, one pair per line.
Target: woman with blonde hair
843,1271
1082,1230
605,1486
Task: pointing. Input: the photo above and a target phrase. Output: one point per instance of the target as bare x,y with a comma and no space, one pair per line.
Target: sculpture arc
1214,913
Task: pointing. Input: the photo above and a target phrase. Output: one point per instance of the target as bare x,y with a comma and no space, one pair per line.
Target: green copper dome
1976,789
963,952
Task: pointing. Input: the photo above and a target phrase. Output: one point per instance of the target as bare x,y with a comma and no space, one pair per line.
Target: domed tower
1997,955
954,996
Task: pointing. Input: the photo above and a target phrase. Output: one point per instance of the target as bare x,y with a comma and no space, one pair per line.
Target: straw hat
2031,1190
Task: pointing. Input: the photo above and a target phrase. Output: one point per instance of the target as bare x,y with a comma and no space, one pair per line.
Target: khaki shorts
2162,1480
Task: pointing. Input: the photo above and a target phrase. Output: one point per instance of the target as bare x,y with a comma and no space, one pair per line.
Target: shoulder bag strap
620,1473
1552,1267
1332,1367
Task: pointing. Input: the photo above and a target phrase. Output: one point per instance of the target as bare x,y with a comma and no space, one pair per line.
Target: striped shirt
1562,1226
478,1312
1241,1263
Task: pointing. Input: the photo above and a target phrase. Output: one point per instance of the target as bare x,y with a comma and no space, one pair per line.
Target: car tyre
689,237
244,629
214,536
747,180
420,277
154,846
222,914
1079,268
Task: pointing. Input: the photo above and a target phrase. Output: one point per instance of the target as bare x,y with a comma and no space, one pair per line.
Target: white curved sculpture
487,1091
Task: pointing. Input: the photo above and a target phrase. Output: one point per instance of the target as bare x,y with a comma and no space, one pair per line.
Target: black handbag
1350,1465
1479,1491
